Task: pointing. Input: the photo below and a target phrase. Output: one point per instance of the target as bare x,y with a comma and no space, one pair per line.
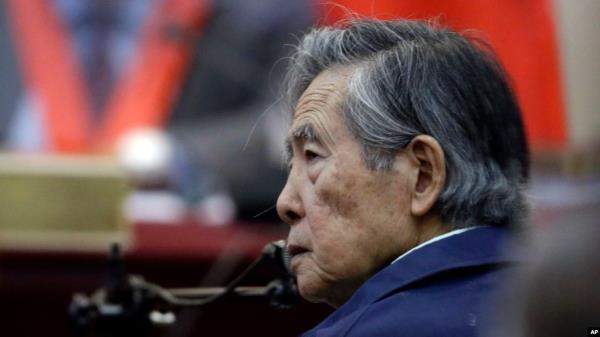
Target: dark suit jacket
441,289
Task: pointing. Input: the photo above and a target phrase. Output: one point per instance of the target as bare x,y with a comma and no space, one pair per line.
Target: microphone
278,252
130,300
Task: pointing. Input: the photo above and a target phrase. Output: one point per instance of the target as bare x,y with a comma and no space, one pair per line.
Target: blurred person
407,161
558,294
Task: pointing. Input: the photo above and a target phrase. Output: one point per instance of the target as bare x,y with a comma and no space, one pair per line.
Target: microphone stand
129,305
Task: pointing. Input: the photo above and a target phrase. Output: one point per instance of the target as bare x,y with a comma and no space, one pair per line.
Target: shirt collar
437,238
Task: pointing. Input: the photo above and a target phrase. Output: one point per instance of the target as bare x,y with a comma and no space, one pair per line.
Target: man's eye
310,155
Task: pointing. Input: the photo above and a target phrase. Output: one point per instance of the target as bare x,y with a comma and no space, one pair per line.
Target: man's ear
428,157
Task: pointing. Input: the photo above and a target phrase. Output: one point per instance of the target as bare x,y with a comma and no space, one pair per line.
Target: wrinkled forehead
325,93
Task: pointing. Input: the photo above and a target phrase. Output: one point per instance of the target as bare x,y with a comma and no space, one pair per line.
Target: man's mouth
294,250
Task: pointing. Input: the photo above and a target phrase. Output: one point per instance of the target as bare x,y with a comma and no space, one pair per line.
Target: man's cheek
340,196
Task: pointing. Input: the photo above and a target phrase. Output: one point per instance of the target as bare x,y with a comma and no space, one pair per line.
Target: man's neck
429,227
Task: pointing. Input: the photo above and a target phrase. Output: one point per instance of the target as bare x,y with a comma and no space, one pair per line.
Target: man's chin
309,297
309,290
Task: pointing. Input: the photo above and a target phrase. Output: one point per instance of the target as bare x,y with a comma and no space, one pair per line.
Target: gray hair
411,78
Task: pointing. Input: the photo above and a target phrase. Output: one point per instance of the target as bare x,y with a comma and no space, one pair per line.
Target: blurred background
156,124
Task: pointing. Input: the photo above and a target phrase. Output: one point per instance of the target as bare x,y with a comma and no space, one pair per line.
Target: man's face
346,221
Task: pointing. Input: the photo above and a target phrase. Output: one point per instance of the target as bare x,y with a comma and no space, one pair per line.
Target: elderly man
407,160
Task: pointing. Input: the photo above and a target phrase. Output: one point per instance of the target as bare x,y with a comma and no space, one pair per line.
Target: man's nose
289,204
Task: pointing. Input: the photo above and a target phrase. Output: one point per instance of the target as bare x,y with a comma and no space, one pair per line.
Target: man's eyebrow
306,132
